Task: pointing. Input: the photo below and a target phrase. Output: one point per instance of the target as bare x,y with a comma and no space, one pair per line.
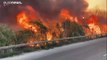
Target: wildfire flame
30,42
94,28
66,15
49,35
93,25
23,20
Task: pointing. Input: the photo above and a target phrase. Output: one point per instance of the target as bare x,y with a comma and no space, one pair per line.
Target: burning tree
42,29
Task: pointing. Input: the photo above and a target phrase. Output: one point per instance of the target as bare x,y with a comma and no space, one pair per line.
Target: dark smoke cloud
46,8
53,7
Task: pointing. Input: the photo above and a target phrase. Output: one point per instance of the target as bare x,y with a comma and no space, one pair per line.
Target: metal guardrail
25,44
45,41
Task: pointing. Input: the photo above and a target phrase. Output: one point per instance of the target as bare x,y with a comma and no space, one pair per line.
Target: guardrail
45,41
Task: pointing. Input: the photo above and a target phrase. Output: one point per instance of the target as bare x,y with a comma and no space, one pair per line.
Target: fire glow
66,15
24,19
93,25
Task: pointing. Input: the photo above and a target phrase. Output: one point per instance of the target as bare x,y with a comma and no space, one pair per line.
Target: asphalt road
89,50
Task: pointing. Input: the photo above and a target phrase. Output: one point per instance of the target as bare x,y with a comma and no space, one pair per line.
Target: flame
49,36
104,28
54,28
66,15
23,20
30,42
94,28
93,25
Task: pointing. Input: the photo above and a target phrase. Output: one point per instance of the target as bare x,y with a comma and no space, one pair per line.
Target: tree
77,29
72,29
24,35
42,28
7,36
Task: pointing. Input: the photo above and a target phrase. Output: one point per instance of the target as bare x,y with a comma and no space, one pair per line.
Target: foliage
72,29
7,36
24,35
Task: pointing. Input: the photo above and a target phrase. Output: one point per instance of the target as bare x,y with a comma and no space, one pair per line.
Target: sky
100,4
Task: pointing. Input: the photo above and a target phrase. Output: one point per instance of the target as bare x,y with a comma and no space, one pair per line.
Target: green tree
77,29
72,29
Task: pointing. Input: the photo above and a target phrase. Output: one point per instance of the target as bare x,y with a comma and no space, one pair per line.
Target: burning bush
60,30
64,25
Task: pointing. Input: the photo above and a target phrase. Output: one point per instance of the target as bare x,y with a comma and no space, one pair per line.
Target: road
89,50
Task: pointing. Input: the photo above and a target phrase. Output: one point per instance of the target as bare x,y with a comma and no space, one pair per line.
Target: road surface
89,50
